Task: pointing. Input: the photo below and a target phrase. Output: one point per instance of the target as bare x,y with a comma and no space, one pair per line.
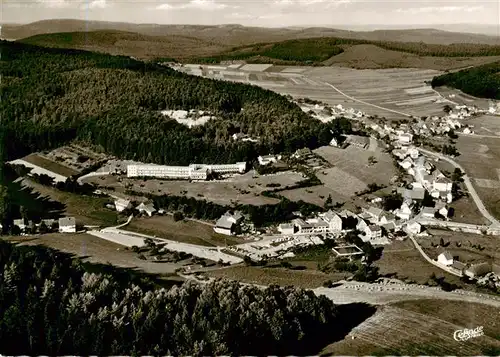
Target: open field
87,210
97,250
486,124
422,327
307,279
462,98
399,89
49,165
353,161
181,231
244,189
466,211
315,195
403,259
480,158
490,243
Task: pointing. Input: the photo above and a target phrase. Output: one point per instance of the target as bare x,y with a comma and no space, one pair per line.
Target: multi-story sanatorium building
192,172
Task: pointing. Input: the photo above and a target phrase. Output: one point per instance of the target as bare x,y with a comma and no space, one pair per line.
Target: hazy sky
272,13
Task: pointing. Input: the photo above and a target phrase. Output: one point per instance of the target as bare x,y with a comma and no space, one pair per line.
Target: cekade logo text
465,334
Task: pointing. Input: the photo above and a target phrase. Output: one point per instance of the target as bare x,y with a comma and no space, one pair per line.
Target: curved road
477,200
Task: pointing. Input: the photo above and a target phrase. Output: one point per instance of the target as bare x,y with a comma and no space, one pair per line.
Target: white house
413,228
405,138
413,152
406,163
67,225
149,208
334,142
286,228
404,212
467,131
333,220
121,204
303,226
268,159
373,232
442,184
445,258
228,222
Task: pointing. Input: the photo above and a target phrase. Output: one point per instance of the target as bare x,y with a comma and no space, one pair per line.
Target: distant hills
233,35
422,48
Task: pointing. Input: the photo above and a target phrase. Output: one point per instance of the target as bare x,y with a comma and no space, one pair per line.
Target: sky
265,13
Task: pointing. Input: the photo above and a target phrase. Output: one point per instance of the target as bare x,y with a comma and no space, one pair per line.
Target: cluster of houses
62,225
191,172
479,271
326,113
428,126
494,109
148,209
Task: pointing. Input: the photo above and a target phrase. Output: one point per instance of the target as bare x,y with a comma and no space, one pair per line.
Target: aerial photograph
249,178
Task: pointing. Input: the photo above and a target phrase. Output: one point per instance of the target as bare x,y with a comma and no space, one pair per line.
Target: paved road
477,200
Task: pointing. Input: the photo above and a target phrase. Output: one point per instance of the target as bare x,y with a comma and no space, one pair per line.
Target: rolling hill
233,35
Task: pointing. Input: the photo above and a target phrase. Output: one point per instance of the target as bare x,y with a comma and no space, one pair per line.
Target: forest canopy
51,305
481,81
52,96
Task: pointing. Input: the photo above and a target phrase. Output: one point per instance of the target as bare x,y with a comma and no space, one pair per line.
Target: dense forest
52,96
52,305
316,50
481,81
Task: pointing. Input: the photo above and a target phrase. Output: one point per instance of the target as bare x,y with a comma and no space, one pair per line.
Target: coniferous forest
52,96
481,81
50,305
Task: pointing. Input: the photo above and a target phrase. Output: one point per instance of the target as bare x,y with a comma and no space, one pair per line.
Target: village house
404,212
228,223
372,232
478,270
333,220
427,212
334,142
67,225
374,214
148,208
405,138
358,141
442,184
407,163
457,267
122,204
413,228
268,159
441,208
445,258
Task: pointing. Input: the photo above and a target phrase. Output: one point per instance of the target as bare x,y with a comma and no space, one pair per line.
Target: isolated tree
372,160
328,201
447,109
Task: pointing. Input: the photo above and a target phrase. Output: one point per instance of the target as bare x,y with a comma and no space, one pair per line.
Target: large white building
193,171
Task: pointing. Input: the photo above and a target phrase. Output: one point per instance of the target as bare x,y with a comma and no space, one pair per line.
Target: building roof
389,226
146,207
224,222
447,255
374,211
330,216
428,210
388,216
458,265
286,226
301,223
357,140
374,228
67,221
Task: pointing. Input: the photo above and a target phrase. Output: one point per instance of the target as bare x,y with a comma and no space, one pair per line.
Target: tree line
481,81
53,305
316,50
262,215
52,96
